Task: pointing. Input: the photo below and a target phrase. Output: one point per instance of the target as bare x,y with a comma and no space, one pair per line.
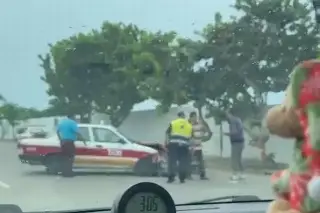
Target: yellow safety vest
181,130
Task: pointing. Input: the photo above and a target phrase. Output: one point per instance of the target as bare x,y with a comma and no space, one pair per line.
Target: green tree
69,75
176,59
177,82
254,54
162,85
258,49
130,65
103,71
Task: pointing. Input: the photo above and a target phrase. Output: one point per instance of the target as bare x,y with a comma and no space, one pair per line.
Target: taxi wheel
145,167
52,165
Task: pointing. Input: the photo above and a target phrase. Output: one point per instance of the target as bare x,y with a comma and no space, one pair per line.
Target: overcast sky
27,26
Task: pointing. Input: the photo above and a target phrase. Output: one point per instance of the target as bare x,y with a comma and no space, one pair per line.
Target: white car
30,131
105,149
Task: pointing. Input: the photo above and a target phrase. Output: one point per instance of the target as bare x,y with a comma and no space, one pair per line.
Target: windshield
139,66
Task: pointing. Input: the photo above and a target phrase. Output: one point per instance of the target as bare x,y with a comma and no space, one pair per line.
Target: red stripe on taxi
43,150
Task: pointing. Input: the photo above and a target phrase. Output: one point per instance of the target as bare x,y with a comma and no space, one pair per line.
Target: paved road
33,190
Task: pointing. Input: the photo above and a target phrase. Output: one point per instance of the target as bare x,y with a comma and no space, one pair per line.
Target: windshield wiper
232,198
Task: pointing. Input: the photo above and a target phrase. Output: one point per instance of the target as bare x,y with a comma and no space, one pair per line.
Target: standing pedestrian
67,131
236,135
198,134
178,137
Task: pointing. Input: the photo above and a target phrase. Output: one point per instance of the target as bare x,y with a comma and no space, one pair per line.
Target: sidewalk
251,165
219,183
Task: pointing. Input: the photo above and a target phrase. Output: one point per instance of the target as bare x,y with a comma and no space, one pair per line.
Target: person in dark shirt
236,135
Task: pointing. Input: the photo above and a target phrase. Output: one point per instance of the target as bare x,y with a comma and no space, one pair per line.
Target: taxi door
109,141
88,154
82,156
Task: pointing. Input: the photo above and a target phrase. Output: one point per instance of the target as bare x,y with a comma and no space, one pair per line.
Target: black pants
178,160
67,157
198,155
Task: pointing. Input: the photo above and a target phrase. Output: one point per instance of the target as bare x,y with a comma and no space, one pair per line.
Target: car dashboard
226,207
147,197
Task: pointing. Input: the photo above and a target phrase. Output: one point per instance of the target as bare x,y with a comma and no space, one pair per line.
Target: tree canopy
258,49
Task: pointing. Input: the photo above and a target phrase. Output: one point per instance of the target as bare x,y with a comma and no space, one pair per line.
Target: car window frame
89,135
93,129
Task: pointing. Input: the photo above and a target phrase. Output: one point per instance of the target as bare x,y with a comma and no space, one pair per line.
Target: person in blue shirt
67,131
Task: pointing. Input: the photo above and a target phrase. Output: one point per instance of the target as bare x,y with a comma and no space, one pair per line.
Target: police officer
178,137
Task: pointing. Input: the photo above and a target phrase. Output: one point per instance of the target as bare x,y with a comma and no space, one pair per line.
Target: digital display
146,203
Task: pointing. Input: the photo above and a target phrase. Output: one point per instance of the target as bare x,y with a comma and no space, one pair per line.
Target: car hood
144,148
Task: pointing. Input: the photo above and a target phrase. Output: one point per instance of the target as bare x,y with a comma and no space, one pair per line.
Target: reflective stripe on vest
179,139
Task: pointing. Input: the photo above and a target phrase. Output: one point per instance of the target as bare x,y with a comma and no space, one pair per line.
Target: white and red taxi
105,149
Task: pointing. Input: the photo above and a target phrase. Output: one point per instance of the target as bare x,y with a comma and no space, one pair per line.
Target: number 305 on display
149,203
